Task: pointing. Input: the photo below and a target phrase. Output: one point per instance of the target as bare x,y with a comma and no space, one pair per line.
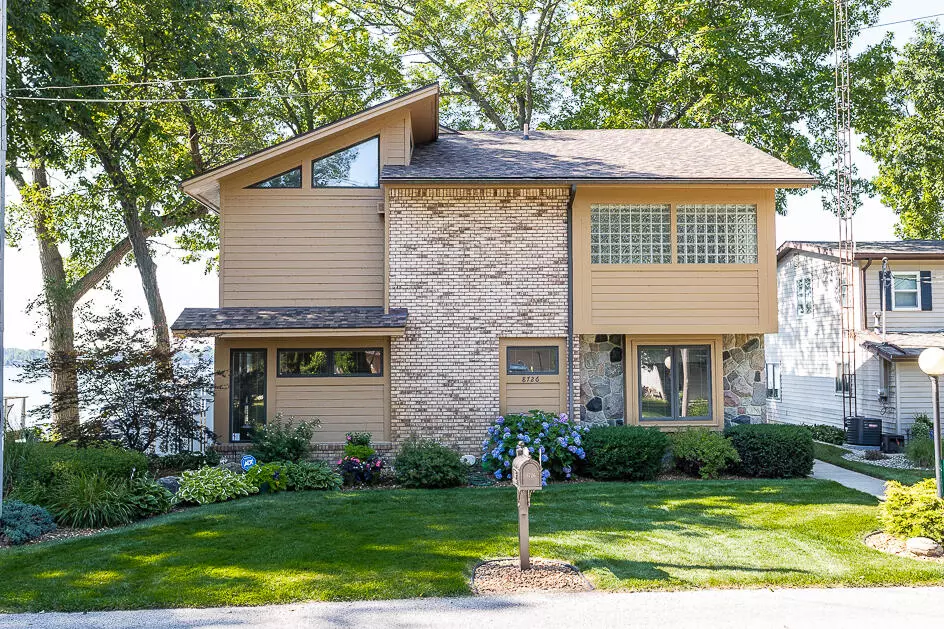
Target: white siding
915,393
910,319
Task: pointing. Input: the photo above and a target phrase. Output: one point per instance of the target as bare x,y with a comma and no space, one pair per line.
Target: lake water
34,392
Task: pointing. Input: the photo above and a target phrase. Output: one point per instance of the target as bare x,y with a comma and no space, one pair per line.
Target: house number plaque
530,379
526,477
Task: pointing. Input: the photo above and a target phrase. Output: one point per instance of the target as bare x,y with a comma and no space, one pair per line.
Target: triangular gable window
356,166
289,179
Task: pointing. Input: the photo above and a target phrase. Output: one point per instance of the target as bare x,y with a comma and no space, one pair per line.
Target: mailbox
525,471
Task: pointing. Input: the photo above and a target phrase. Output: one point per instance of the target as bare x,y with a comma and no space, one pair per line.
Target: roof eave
205,187
777,183
287,332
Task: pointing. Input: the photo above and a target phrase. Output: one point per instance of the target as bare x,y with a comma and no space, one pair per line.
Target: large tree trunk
60,303
148,271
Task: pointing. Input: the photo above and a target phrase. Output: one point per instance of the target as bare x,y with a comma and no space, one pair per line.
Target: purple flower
507,464
500,420
526,439
498,474
544,458
545,425
572,448
563,417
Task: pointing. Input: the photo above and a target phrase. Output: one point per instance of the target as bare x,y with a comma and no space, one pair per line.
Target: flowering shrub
557,441
357,438
360,472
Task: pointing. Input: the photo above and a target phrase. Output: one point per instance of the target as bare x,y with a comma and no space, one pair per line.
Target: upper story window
804,295
630,234
356,166
289,179
905,291
717,234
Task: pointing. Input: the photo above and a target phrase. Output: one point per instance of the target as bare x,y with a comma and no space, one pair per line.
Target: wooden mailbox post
526,477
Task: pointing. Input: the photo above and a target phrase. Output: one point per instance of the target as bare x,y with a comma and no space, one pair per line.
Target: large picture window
356,166
630,234
674,382
247,386
716,234
321,363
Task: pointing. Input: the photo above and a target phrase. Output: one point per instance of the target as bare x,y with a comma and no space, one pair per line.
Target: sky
187,285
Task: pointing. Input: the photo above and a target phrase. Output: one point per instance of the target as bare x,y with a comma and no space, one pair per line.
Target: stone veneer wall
745,379
602,379
472,265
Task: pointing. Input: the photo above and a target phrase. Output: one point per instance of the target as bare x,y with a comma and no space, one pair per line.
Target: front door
247,387
533,375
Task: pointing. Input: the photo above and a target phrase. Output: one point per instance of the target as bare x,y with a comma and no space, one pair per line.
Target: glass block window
630,234
717,234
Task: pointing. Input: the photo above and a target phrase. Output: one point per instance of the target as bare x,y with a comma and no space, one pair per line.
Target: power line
154,101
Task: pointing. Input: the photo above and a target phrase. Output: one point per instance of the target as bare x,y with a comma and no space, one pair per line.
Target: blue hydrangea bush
556,440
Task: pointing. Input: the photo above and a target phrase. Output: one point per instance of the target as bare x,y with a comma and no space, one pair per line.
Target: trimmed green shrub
23,522
283,440
359,452
913,511
147,498
920,451
624,452
313,475
268,477
923,427
772,450
213,484
91,500
430,465
47,463
827,433
702,452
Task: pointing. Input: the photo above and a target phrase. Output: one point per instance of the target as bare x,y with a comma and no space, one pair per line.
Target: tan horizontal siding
307,247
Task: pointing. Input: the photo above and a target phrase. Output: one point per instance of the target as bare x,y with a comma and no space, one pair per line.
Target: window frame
341,150
802,293
917,291
258,185
675,348
330,351
838,375
772,372
508,349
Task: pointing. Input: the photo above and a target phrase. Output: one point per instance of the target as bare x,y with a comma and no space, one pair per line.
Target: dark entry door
247,385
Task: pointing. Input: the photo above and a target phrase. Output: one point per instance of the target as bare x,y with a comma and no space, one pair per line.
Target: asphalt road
835,608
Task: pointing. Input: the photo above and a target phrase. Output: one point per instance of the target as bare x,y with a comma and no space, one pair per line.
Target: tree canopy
906,138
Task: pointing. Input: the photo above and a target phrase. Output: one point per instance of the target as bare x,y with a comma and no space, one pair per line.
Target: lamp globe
931,361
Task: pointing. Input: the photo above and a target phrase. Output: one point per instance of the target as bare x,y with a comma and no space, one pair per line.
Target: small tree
131,391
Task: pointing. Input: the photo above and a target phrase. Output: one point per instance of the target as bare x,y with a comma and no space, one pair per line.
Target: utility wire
153,101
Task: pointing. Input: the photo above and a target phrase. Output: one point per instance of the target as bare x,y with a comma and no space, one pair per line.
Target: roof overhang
868,254
609,181
901,346
423,104
290,321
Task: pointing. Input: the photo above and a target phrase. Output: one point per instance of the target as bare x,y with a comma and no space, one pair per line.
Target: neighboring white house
803,358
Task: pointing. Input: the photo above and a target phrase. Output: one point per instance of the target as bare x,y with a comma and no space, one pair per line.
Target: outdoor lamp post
931,362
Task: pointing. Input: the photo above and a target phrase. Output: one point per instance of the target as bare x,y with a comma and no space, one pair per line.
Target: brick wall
472,265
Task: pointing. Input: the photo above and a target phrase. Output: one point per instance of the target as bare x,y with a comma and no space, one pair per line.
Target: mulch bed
891,545
504,576
60,533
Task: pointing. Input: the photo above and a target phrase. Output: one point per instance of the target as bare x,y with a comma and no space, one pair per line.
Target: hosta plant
268,477
556,440
213,484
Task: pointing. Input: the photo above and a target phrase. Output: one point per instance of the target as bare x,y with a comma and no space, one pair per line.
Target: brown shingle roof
288,318
669,155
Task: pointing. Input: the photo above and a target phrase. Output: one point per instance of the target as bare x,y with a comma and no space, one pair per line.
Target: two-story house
385,274
804,385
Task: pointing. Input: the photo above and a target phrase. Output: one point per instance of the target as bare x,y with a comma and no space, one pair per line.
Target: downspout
570,302
865,296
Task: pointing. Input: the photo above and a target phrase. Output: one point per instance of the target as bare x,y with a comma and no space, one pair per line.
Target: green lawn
391,544
833,454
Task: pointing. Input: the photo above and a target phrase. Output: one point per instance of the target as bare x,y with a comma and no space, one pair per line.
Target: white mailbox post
526,477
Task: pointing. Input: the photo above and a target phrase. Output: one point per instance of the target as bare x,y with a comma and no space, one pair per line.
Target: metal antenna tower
845,210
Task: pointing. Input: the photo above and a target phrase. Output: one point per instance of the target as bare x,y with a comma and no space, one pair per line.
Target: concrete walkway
703,609
853,480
